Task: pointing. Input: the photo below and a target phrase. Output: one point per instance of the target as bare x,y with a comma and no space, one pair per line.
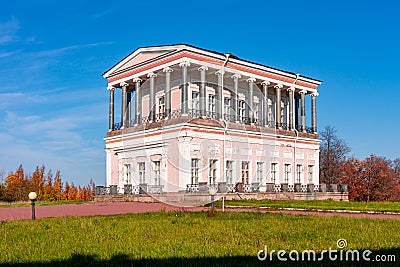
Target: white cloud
8,30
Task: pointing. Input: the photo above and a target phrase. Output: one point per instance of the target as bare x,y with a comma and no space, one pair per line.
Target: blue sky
54,103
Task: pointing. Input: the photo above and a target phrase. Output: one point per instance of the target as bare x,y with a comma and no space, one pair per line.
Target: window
245,172
271,111
229,172
195,171
274,169
161,106
212,175
195,100
256,112
299,173
260,171
227,106
142,173
242,110
310,174
288,171
157,173
127,174
211,106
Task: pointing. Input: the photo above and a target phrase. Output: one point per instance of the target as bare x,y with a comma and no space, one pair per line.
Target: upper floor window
127,174
242,110
227,105
211,103
271,110
195,100
161,105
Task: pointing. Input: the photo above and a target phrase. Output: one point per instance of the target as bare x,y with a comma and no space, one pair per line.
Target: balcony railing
196,113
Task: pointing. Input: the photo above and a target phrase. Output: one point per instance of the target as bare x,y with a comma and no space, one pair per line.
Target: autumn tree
371,179
58,186
37,181
333,153
17,185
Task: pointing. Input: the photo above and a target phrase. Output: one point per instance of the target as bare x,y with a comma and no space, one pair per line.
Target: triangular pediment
139,56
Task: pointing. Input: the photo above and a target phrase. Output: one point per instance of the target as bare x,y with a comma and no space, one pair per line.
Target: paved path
109,208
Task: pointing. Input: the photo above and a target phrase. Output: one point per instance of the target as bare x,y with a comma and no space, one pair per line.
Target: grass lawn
318,204
188,239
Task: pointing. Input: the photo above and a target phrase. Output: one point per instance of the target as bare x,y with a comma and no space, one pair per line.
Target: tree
38,182
58,186
333,153
371,179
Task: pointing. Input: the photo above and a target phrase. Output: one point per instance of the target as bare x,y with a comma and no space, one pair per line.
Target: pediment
137,57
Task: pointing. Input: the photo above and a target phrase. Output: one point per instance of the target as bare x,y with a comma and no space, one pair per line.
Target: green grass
318,204
43,203
178,238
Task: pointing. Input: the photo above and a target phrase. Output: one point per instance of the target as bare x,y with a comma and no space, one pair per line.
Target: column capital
167,69
303,92
266,83
124,84
151,75
202,68
314,94
110,88
278,86
251,80
137,80
220,72
236,76
184,64
290,89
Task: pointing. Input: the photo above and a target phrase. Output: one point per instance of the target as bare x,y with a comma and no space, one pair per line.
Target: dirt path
109,208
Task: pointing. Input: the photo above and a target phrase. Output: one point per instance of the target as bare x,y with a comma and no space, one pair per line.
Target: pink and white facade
192,119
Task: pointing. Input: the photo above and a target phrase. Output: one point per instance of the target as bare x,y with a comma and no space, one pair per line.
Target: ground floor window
195,171
142,172
310,174
127,174
299,173
274,169
212,171
245,172
287,172
229,172
260,171
157,172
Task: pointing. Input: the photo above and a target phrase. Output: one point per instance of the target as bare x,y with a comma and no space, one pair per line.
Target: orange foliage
371,179
17,186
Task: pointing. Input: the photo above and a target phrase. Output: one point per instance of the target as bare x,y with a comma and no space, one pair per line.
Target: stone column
314,111
278,122
236,78
203,92
111,109
250,101
124,117
219,99
138,100
264,116
184,89
152,102
291,117
303,110
167,94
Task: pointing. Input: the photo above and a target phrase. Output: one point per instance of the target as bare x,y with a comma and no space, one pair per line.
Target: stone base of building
195,199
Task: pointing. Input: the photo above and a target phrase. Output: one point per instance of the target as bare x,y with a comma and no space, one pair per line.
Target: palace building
190,119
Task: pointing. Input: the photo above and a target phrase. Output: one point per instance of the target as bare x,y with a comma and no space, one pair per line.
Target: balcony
176,116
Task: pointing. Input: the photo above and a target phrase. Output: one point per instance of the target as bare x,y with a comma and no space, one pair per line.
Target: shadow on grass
126,260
